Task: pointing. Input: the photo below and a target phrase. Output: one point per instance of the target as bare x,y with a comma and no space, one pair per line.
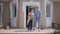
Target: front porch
24,31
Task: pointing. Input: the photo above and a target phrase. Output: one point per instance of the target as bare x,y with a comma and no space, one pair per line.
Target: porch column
43,9
20,15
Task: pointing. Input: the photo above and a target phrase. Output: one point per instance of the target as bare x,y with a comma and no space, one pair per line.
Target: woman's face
33,10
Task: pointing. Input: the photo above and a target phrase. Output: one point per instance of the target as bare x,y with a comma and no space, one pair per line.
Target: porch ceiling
5,0
55,0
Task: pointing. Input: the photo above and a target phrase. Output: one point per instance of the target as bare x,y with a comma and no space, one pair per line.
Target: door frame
1,10
51,7
11,3
24,4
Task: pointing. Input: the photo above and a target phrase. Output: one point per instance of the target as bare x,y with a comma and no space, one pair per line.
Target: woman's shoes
36,29
28,30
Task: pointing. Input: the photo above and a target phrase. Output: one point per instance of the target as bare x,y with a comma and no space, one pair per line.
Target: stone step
24,31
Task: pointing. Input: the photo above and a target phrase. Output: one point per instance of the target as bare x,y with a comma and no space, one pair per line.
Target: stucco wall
21,14
5,14
56,12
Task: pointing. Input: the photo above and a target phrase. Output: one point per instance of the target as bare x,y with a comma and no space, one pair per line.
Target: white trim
1,10
51,10
24,4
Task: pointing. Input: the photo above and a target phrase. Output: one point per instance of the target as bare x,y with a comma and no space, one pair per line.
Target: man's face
36,8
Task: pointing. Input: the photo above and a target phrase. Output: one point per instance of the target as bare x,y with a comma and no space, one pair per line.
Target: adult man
37,18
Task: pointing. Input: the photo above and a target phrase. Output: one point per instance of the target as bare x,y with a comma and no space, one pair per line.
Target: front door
49,10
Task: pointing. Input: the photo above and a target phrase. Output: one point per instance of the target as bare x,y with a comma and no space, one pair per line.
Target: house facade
14,11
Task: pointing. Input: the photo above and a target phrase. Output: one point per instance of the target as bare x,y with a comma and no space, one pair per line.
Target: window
48,11
14,11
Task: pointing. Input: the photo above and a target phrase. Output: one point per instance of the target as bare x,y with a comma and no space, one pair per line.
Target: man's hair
37,7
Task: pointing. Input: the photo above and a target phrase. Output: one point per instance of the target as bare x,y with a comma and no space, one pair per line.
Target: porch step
23,31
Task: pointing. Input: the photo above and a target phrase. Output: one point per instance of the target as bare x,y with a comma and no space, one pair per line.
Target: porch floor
25,31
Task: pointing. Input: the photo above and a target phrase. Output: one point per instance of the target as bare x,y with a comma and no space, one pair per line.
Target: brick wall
5,15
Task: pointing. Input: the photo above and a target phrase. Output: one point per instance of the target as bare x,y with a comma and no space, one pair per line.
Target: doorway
29,9
25,6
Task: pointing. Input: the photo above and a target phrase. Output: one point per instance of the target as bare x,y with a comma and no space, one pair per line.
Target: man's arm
40,13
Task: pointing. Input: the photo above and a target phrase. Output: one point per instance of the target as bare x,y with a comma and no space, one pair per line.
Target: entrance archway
24,9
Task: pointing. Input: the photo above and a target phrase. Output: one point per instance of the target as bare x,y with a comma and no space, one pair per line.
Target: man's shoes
34,28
